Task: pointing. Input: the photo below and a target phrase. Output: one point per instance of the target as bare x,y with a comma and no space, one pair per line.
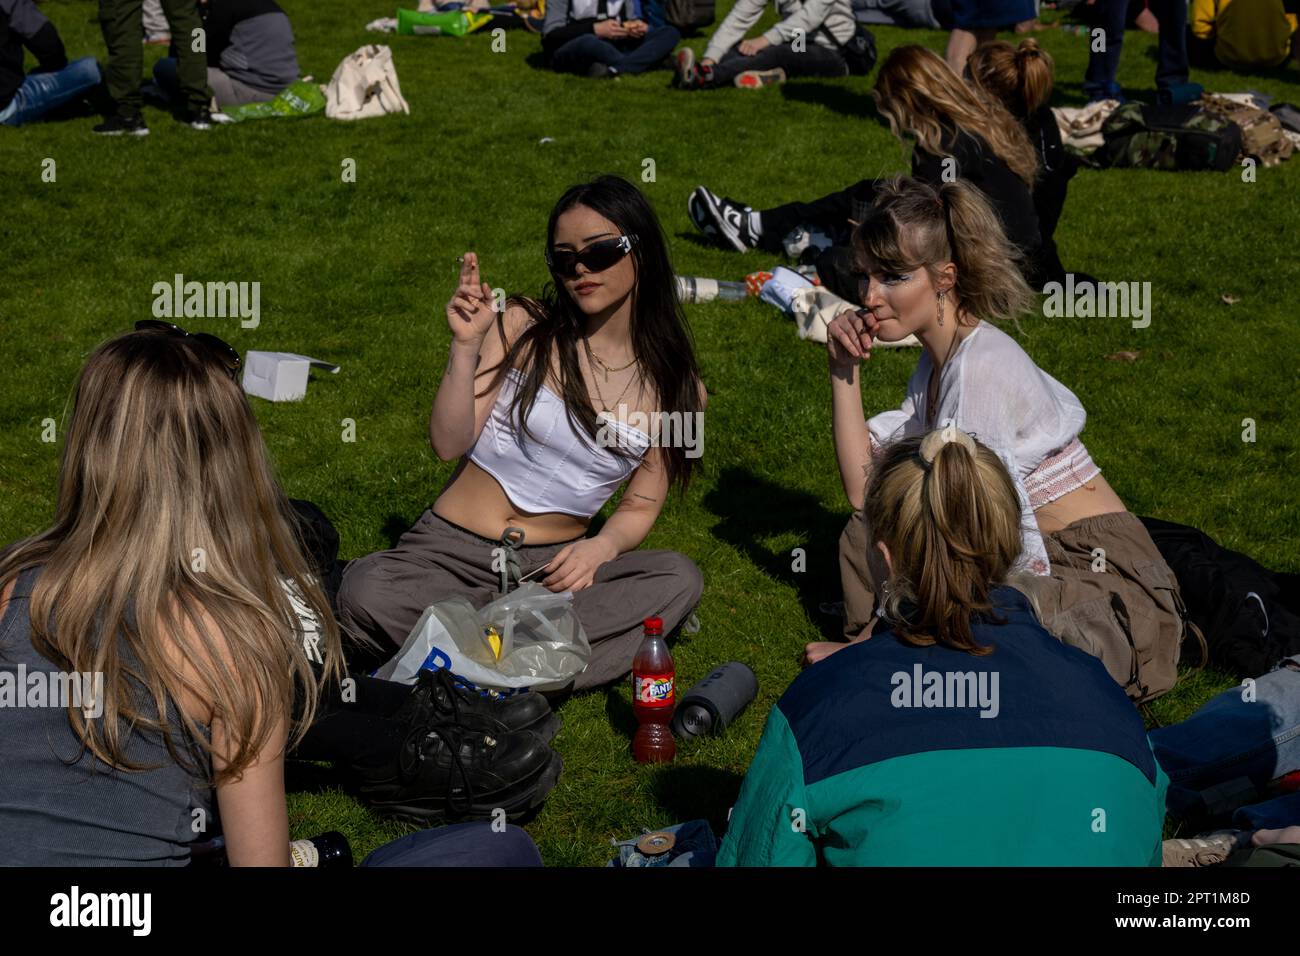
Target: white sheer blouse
993,391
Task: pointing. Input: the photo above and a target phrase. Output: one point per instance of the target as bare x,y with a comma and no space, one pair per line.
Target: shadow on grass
619,711
394,527
834,97
692,793
1286,73
754,509
695,239
310,776
1068,94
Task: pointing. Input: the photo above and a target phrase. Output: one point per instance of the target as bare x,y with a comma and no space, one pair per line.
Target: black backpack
1250,615
689,15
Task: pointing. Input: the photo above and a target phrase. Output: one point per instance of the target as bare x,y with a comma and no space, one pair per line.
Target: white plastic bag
542,644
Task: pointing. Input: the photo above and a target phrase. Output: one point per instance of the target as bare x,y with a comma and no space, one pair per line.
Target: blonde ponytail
947,509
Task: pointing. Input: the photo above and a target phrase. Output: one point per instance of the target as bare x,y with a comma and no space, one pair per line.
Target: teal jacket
886,754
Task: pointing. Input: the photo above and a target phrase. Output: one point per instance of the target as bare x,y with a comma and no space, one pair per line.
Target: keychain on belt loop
511,539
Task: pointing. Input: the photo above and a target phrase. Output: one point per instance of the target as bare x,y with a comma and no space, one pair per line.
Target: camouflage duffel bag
1168,137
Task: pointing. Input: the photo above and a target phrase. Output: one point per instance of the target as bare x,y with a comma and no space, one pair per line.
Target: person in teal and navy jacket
962,733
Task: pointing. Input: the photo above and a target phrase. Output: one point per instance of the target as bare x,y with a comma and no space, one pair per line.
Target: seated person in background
604,38
963,734
929,14
251,55
157,31
1020,78
806,42
957,133
1243,34
54,82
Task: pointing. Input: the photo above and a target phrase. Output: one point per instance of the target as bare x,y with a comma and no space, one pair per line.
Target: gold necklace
604,407
595,360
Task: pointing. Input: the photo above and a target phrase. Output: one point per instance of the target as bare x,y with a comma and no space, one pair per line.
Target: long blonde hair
947,509
911,225
921,97
1020,78
171,540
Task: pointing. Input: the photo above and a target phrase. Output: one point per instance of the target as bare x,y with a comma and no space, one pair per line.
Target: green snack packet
415,23
456,23
299,98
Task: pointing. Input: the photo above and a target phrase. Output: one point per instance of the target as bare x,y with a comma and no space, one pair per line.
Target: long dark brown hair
661,339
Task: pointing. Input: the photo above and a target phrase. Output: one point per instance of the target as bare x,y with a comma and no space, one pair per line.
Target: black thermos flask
714,702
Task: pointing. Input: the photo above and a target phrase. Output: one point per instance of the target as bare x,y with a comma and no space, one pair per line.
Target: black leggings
813,60
832,214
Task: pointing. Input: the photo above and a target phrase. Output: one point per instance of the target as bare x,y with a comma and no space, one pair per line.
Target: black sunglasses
597,257
222,349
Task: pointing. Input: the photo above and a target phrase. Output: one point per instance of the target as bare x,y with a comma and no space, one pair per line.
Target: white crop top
558,469
993,391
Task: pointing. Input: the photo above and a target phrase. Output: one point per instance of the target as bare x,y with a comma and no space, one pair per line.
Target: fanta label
653,690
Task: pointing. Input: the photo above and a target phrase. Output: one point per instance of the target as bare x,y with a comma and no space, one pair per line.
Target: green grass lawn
358,273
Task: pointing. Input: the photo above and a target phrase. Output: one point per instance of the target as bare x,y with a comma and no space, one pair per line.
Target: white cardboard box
280,376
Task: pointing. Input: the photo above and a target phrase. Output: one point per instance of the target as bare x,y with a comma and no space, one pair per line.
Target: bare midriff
475,500
1095,497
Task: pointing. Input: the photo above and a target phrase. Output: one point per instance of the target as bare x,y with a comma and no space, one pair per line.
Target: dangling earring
884,596
941,295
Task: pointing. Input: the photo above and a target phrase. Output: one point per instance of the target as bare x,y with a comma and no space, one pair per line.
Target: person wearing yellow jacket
1243,34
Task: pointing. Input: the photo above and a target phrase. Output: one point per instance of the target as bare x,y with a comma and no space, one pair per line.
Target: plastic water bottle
654,679
695,289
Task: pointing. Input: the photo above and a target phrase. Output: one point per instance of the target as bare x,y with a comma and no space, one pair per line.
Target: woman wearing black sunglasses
552,405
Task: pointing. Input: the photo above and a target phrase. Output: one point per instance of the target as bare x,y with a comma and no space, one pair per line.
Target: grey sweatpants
384,594
232,92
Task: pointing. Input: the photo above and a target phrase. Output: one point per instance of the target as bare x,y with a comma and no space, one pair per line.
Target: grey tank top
62,807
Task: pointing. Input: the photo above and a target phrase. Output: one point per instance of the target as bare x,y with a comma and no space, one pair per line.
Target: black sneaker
723,220
599,71
198,119
448,773
436,699
119,125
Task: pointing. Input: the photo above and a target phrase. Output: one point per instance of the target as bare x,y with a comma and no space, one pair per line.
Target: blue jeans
1223,755
623,56
461,844
1099,80
42,92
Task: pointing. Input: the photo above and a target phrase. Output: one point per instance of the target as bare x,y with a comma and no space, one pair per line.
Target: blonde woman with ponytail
934,263
161,594
963,733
